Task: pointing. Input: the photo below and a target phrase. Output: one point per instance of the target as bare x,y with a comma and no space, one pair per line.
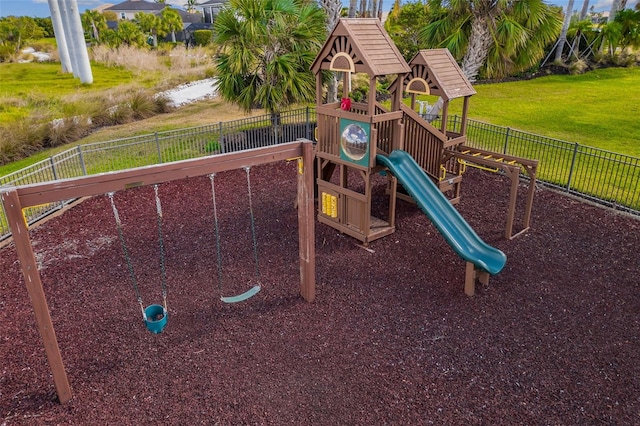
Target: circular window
354,142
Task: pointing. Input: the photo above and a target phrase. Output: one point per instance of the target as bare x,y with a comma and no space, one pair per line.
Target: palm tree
267,47
332,9
190,6
149,23
353,6
629,21
495,37
563,33
130,34
171,22
93,23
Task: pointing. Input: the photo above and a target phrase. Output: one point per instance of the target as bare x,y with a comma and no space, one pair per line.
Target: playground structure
364,139
15,199
353,139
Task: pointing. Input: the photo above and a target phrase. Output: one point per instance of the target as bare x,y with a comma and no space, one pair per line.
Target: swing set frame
15,199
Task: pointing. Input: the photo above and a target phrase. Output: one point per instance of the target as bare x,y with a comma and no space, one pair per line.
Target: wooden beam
33,282
48,192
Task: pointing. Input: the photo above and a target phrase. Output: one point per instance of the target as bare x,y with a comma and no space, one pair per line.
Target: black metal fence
602,176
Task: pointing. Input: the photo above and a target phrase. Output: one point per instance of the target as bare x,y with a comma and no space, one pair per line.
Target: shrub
578,67
65,130
19,140
142,105
212,146
202,37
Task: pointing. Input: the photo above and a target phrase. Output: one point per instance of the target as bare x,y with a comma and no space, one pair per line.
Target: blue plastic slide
460,236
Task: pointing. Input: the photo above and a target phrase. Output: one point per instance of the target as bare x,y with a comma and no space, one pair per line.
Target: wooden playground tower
350,135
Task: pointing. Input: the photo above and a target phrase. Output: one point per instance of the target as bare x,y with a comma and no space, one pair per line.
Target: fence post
83,166
455,123
308,124
223,149
158,147
53,168
506,141
573,162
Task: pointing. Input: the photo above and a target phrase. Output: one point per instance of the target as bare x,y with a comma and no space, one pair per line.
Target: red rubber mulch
390,339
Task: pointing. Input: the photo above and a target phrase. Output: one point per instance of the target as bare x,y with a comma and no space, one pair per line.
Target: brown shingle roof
367,43
444,72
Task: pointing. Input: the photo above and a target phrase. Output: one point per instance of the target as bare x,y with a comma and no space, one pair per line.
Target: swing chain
161,242
126,253
253,226
217,231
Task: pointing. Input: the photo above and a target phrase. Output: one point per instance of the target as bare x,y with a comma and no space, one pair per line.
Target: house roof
213,3
191,18
442,73
368,46
137,5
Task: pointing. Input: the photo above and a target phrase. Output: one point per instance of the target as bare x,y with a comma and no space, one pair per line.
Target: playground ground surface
390,339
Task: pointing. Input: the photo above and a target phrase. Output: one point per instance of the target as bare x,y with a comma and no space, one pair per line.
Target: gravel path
192,92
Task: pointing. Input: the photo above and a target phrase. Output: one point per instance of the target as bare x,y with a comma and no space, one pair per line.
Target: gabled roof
213,3
445,77
137,5
368,45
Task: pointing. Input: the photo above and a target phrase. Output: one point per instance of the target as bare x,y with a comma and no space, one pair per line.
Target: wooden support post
514,174
306,224
33,282
531,170
445,118
471,275
372,96
470,279
465,111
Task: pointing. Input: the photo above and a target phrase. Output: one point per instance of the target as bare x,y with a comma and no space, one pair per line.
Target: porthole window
354,141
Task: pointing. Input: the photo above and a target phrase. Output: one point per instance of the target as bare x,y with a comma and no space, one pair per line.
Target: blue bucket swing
155,316
256,288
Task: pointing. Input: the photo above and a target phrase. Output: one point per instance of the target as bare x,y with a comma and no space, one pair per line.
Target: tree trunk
477,52
353,6
585,10
615,6
563,34
432,114
333,9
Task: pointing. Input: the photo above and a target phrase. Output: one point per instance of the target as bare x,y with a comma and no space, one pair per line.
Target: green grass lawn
26,87
598,109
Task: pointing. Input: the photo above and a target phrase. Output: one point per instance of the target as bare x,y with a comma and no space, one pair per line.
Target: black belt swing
256,288
154,316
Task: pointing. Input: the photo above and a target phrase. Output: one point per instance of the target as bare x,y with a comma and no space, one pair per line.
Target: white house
210,9
128,9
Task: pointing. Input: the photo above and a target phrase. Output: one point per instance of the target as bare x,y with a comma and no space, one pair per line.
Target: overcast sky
40,8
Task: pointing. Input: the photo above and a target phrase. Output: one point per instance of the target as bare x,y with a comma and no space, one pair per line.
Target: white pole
70,41
63,51
84,67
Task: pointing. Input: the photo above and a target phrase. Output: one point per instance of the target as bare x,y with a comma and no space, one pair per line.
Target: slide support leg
470,277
